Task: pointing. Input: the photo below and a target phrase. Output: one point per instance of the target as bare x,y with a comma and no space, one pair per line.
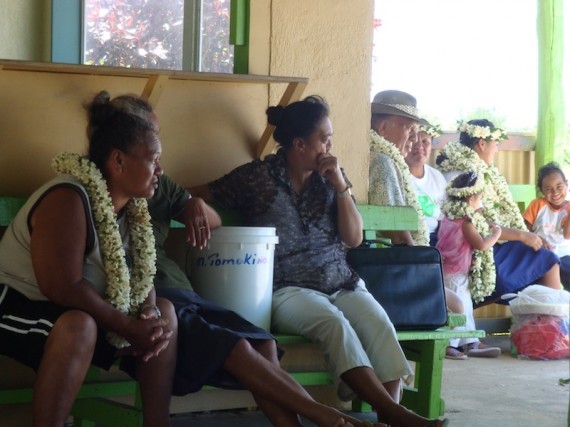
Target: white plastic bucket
235,270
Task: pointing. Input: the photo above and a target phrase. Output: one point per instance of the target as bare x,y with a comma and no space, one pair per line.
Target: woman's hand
545,243
329,168
197,221
148,335
532,240
495,229
349,220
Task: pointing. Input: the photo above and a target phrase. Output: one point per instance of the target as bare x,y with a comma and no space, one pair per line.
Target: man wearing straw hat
394,123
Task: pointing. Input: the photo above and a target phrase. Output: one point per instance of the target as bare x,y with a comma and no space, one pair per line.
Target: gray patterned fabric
386,185
310,253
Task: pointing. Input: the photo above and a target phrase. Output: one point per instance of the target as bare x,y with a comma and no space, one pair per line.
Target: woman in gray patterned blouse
303,192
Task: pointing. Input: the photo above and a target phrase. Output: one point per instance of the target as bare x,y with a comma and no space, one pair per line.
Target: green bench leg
360,406
91,412
425,399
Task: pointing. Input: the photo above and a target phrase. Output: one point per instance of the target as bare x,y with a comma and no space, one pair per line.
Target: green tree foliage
134,33
217,54
149,34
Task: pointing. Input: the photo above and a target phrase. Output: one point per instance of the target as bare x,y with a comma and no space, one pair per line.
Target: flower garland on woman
381,145
433,131
458,206
500,207
521,259
125,290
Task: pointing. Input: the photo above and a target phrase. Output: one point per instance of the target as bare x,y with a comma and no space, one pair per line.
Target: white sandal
454,354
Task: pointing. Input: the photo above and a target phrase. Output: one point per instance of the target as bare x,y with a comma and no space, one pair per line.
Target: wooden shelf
157,79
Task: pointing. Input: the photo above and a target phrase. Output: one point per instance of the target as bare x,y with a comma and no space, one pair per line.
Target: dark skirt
519,266
207,333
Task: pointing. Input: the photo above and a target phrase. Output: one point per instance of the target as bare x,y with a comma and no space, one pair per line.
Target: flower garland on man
394,124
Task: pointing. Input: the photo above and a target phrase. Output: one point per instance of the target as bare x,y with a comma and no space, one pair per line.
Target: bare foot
407,418
353,422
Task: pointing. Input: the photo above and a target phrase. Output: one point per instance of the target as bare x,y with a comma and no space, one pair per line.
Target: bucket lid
245,234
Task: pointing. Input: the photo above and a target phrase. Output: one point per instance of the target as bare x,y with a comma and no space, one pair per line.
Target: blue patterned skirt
519,266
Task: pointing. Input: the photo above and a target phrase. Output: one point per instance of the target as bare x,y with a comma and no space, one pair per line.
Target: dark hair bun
275,115
99,110
466,179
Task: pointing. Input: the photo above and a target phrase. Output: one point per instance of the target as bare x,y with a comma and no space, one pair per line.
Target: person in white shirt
428,182
548,216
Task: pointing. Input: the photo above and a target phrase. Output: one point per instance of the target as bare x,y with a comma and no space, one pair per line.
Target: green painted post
551,115
239,34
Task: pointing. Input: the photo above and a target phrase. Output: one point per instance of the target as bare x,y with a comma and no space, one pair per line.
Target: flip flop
477,349
439,423
453,354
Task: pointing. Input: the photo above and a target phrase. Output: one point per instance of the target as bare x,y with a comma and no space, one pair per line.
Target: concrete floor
503,392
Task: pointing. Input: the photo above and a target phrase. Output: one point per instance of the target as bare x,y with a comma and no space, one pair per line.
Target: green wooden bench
425,348
523,194
95,404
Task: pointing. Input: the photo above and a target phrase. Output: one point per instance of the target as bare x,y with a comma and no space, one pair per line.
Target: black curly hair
546,170
470,141
464,180
298,119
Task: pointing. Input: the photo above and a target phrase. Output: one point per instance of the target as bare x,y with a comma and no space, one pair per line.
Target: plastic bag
540,336
538,299
540,322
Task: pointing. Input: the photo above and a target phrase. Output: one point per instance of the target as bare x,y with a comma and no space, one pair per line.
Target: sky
460,56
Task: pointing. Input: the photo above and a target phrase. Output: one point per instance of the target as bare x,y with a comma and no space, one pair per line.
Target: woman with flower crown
520,260
77,267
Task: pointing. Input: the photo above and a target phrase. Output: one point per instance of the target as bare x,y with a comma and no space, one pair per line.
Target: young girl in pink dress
548,216
465,240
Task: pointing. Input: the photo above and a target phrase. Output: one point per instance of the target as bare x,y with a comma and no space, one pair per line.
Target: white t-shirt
549,224
431,192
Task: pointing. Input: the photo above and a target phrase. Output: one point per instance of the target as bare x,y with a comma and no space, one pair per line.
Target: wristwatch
345,193
152,306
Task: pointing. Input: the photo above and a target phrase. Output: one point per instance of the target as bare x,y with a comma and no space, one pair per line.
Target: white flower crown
463,192
482,132
432,130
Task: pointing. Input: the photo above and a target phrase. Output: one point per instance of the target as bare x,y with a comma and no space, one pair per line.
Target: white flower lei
483,132
125,290
500,207
432,130
482,270
461,193
381,145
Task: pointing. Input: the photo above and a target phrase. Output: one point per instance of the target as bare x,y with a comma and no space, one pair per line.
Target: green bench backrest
9,207
523,194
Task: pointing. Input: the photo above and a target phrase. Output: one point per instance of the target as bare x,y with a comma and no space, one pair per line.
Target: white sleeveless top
16,269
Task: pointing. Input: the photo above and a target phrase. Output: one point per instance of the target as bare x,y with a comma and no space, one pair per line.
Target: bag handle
384,242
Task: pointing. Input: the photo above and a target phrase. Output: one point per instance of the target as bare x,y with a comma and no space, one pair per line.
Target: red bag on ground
541,336
540,322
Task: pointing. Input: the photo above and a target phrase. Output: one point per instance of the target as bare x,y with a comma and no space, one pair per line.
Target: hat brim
393,111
